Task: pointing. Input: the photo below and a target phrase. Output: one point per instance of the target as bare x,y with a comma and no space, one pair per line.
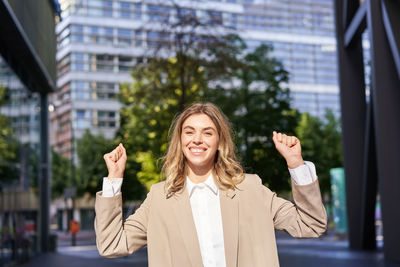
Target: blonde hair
228,171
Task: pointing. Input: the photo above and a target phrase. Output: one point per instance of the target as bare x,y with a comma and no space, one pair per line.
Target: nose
197,139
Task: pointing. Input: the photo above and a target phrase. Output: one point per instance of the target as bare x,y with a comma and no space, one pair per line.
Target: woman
207,212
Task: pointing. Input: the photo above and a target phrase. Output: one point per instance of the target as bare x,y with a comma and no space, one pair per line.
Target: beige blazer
250,214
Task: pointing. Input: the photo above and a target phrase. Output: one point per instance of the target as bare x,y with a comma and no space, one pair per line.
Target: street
327,251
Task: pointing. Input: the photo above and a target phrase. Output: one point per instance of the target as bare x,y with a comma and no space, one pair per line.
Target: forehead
199,121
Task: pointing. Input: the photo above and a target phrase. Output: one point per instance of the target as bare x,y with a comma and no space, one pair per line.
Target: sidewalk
85,256
327,251
86,237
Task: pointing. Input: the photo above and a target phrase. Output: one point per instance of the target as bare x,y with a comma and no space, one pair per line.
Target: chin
202,164
197,163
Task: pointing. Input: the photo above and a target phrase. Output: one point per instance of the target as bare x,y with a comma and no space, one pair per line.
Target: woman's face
199,141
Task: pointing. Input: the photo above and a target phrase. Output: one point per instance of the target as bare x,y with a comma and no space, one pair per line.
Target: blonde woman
208,212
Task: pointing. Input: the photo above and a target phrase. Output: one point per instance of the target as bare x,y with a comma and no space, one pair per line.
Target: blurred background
78,77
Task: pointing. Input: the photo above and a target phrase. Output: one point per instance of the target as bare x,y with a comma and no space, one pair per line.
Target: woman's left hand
289,147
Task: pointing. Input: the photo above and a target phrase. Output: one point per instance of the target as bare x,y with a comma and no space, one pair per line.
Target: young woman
208,212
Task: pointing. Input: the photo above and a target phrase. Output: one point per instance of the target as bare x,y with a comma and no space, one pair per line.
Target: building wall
100,40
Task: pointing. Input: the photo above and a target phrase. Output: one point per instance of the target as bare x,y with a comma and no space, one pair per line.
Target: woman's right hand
116,161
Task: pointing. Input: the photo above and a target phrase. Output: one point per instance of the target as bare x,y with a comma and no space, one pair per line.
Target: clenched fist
289,147
116,161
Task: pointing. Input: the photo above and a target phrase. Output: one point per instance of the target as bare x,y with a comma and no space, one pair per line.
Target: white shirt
206,210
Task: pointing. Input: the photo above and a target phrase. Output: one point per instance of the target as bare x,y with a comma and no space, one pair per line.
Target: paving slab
327,251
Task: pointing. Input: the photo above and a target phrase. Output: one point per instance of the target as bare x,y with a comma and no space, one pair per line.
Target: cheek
184,141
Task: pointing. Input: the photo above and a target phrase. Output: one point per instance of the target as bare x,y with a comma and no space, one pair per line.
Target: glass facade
100,40
19,139
21,107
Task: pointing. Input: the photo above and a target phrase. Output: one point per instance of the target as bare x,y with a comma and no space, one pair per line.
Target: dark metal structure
371,126
28,44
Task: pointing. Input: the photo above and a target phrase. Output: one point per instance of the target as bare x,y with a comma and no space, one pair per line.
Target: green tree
91,166
163,87
190,53
321,144
150,103
249,91
8,146
257,105
209,67
60,174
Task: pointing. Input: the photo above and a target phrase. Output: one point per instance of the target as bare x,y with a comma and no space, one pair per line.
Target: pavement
327,251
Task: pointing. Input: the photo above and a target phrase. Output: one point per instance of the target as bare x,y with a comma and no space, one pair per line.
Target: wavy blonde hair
227,169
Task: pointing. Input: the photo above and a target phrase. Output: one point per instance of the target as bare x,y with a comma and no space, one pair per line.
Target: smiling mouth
197,150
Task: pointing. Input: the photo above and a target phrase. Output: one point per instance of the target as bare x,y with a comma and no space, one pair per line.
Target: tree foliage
197,63
258,104
8,147
321,144
86,176
150,103
91,166
248,91
60,174
163,86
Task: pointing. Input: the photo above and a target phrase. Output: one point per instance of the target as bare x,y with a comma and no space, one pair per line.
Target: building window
93,34
76,33
124,63
155,39
63,66
79,90
101,63
125,10
124,36
185,12
232,20
157,13
138,11
78,61
214,17
108,8
138,38
102,90
81,121
106,36
106,118
80,114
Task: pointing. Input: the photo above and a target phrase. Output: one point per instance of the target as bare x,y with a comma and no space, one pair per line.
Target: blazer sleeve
304,218
115,237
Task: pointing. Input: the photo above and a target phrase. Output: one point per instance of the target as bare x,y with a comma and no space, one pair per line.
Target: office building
100,40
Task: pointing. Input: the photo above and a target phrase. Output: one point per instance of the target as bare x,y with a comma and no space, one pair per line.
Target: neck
197,174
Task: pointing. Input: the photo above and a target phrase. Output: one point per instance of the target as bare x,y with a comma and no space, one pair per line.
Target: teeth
197,150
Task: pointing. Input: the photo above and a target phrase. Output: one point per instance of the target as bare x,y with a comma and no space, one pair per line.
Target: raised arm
115,237
307,216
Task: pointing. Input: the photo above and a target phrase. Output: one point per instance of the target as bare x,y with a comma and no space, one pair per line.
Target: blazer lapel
230,223
184,217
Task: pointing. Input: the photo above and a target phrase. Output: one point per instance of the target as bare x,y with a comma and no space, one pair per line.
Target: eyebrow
204,129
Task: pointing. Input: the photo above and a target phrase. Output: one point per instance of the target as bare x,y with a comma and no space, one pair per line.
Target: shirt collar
209,183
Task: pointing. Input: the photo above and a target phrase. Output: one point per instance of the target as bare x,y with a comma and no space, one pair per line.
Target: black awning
17,50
